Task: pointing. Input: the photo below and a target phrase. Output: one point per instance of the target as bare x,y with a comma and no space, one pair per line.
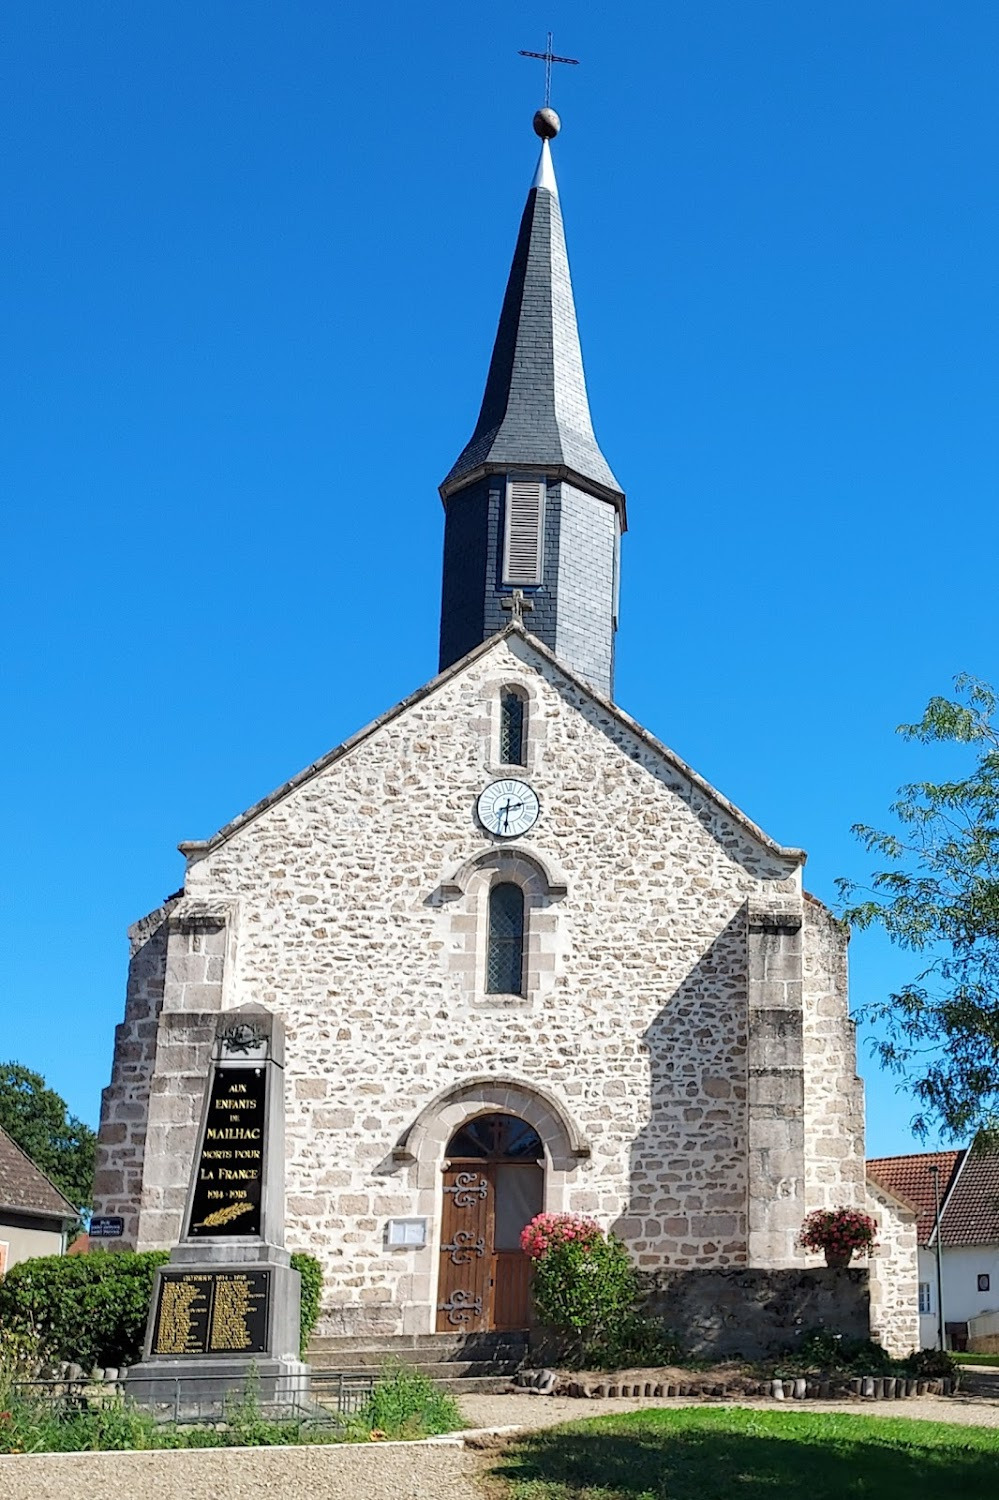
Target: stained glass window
511,746
505,952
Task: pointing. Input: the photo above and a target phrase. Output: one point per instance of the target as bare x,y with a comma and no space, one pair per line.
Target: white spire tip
544,177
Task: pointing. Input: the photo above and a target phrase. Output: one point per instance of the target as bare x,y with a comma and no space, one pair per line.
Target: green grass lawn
717,1454
975,1359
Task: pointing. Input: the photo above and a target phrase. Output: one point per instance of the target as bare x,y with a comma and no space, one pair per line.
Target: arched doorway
494,1184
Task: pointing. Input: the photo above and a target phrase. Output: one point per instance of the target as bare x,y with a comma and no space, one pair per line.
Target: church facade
525,957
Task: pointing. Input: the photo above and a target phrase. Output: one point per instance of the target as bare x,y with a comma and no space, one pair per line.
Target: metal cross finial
517,605
548,57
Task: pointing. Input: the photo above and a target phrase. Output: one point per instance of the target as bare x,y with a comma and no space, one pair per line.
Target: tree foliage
38,1119
937,895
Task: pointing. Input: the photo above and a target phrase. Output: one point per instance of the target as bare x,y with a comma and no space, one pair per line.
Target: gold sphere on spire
547,124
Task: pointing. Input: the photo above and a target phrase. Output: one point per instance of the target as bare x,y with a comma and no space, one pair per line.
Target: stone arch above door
424,1141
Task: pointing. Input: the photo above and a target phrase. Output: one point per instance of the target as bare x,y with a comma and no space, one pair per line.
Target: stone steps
474,1363
450,1369
402,1344
465,1385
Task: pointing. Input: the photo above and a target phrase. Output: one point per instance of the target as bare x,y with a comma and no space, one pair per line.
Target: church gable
559,693
521,952
382,845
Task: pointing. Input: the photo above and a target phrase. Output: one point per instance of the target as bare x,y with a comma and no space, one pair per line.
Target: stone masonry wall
348,914
894,1274
125,1102
755,1314
834,1094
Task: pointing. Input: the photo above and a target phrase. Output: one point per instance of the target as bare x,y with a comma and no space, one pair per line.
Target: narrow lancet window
511,740
505,950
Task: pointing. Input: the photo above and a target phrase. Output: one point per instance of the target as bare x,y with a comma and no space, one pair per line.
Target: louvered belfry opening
511,738
505,942
524,531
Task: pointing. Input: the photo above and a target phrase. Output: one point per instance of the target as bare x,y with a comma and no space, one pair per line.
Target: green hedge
311,1273
92,1309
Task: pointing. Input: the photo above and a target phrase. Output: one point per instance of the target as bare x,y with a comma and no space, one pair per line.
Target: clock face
508,808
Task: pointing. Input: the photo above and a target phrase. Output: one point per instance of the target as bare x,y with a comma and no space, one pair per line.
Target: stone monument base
224,1321
191,1388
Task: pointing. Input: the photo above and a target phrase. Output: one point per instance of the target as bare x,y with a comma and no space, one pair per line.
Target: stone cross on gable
518,605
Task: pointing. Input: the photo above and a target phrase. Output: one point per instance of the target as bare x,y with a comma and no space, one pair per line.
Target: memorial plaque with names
229,1172
212,1312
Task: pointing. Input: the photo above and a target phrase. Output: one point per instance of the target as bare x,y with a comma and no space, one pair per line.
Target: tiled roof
909,1177
972,1213
535,411
24,1188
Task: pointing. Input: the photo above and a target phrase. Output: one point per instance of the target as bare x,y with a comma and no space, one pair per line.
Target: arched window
511,735
505,946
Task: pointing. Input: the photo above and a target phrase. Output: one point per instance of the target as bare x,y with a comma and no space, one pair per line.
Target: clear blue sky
257,257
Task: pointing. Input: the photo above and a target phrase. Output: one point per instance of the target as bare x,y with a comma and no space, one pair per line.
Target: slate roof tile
24,1188
971,1215
535,411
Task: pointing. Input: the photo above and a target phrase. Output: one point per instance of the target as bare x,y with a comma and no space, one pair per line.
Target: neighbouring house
969,1236
35,1218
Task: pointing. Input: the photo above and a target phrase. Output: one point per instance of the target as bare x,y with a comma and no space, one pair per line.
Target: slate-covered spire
535,411
531,502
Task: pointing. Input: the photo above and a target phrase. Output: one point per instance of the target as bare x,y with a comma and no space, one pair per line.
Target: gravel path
348,1471
547,1411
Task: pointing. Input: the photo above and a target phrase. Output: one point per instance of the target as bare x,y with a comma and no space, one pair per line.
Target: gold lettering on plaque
234,1299
180,1304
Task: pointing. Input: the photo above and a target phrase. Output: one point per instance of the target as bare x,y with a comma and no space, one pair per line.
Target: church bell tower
534,515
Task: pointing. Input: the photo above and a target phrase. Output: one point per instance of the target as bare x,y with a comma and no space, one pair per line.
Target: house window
523,531
511,736
505,946
983,1282
924,1297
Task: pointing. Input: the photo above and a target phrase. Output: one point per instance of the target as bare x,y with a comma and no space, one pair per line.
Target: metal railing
321,1398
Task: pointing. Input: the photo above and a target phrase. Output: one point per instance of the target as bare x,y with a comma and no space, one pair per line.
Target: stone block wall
894,1273
667,1034
775,1143
121,1145
756,1313
834,1094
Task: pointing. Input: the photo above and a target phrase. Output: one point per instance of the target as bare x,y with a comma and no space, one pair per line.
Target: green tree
938,896
37,1118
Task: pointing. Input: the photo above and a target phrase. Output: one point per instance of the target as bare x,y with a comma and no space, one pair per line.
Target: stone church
525,957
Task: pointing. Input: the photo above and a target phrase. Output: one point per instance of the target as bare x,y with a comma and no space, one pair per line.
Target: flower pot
837,1260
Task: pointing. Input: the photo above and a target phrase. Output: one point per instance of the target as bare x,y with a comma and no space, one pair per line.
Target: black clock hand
507,808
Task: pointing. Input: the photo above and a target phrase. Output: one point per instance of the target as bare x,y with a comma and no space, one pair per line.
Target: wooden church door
493,1186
